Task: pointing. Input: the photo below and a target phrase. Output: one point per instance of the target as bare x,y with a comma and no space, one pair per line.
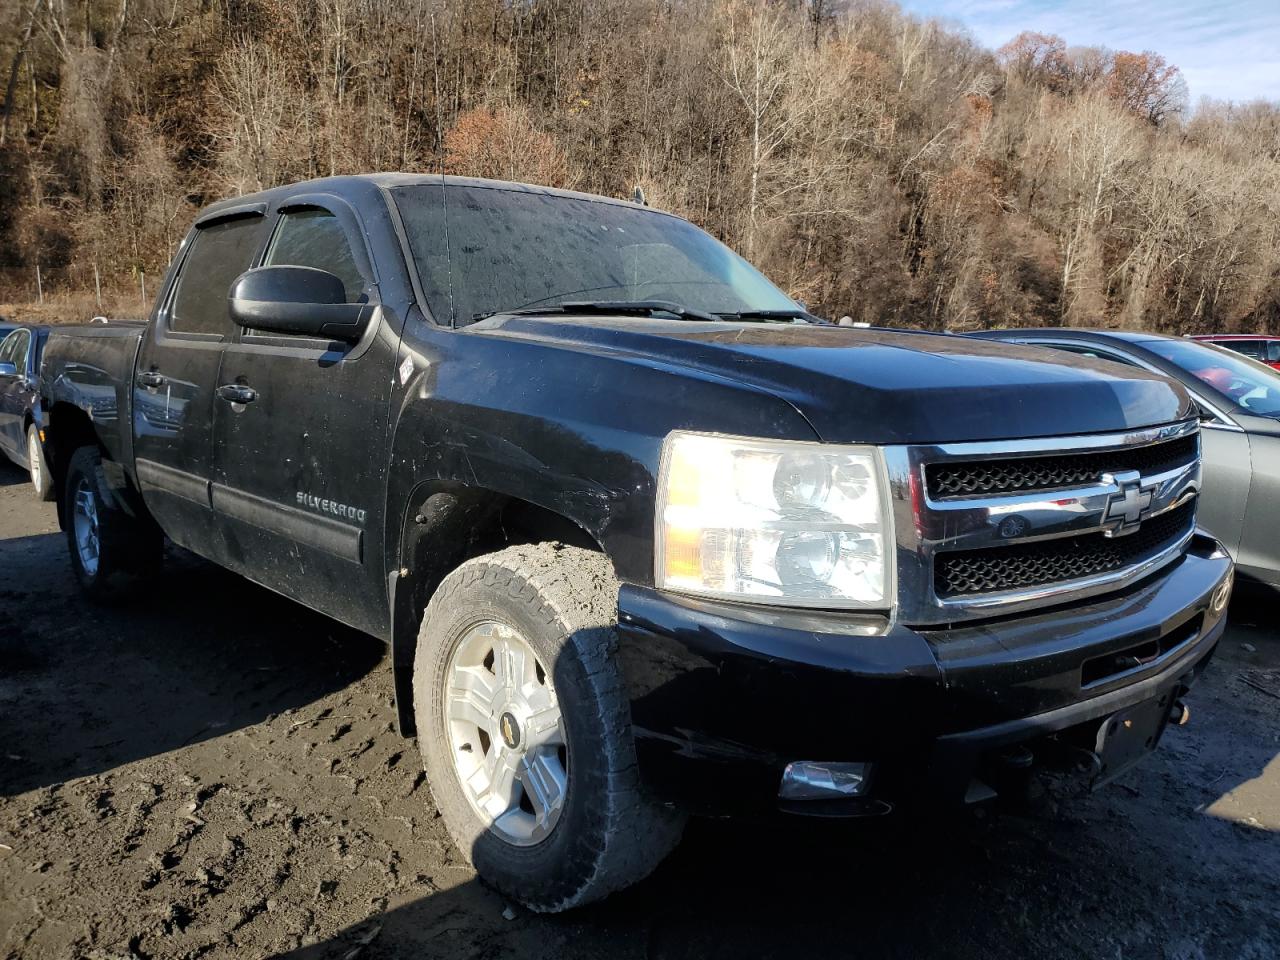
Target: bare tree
1147,85
872,162
18,54
760,53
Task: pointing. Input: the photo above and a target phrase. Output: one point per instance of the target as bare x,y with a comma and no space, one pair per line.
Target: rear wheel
525,730
110,549
40,478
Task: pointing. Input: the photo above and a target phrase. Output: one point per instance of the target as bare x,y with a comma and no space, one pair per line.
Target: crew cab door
176,373
302,465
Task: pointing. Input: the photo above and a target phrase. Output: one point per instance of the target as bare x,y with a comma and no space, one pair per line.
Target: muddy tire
568,823
37,468
111,551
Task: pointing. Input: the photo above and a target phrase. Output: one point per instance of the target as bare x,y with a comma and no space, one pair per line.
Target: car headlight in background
774,521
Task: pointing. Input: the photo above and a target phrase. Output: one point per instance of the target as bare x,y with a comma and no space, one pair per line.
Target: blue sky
1228,50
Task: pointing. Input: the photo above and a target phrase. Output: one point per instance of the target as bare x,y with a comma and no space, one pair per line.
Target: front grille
993,569
966,478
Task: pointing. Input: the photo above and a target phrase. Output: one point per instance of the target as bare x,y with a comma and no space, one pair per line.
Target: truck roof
367,186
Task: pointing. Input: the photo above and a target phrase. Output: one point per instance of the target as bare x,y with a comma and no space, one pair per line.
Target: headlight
775,521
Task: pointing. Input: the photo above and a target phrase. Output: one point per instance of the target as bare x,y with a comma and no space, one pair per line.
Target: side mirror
8,369
297,300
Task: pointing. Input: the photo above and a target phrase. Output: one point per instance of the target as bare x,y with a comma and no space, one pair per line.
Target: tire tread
574,590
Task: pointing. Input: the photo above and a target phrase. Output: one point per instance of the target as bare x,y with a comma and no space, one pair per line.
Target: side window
219,253
8,347
21,349
1250,348
1273,351
314,238
14,350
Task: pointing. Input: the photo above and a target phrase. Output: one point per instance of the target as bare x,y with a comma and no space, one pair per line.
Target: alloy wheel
84,521
33,457
506,733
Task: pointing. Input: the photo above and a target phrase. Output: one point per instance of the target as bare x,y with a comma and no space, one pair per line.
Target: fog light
1222,594
812,780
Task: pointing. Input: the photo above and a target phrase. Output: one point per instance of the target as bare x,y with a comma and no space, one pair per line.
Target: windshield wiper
772,315
644,308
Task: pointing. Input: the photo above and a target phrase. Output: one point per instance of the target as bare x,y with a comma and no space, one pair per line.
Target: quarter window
219,253
315,238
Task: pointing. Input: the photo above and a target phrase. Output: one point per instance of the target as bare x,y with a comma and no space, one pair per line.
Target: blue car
20,439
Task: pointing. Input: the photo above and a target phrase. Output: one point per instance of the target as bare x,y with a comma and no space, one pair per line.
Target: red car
1262,348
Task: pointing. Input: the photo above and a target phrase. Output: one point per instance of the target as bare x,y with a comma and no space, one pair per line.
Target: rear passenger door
177,371
302,467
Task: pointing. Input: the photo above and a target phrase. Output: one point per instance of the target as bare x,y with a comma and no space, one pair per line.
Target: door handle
237,393
151,379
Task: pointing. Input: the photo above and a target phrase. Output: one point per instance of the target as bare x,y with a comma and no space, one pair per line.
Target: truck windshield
485,250
1252,386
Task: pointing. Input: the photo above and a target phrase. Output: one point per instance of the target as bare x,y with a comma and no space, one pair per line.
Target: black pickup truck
645,538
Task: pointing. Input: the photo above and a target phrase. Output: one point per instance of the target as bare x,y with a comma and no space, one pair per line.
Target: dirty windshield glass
483,250
1246,383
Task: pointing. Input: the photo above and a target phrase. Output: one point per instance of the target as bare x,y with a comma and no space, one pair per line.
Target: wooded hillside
873,164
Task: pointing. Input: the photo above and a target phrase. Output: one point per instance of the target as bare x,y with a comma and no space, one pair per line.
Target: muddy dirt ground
215,773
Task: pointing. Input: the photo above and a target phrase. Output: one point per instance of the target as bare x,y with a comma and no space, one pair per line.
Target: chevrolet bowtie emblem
1128,505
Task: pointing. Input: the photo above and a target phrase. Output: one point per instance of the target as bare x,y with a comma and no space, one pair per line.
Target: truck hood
876,386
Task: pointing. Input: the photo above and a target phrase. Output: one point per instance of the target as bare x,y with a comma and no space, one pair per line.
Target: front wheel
110,549
525,729
39,471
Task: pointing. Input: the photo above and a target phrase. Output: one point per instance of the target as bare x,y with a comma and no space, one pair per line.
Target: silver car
1239,401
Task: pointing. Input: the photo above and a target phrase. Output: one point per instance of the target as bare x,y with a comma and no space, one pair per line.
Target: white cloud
1228,50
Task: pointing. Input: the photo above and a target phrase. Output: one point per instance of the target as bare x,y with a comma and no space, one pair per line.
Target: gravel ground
215,773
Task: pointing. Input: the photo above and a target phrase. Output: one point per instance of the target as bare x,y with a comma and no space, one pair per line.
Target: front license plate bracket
1127,736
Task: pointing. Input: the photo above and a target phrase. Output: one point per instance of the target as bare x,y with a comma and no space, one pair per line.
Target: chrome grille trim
1037,563
961,479
925,527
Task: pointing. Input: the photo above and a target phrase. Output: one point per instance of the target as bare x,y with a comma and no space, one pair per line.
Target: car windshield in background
1250,385
483,250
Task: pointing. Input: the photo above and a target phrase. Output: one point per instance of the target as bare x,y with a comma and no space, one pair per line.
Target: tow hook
1088,762
1179,714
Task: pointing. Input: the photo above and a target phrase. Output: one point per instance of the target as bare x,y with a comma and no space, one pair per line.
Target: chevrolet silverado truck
645,538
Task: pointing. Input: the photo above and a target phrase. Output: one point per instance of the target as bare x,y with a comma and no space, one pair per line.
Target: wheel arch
443,525
69,429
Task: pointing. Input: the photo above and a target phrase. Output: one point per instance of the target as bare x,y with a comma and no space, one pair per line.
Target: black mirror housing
303,301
